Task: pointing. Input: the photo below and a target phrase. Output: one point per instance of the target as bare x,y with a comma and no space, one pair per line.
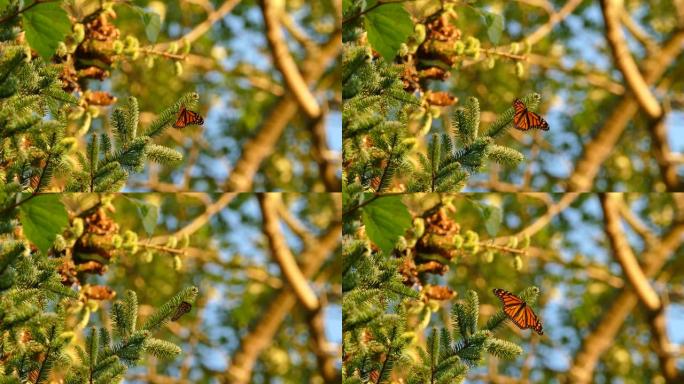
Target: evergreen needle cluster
35,340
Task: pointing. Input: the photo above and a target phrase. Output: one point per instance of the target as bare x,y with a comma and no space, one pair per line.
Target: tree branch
319,150
663,155
603,335
281,253
551,212
261,335
202,28
271,10
554,19
622,252
637,225
261,146
612,9
663,348
639,33
199,221
322,348
601,146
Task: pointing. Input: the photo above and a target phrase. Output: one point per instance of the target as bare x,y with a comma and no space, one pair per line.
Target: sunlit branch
622,251
262,333
284,61
597,150
554,19
624,61
281,253
261,146
602,336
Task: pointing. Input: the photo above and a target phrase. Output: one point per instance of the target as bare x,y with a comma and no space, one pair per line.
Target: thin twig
150,51
12,16
204,26
554,19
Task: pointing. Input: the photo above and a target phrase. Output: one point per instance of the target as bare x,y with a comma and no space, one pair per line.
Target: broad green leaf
492,217
386,218
148,214
46,25
495,25
346,4
388,26
151,21
43,218
5,3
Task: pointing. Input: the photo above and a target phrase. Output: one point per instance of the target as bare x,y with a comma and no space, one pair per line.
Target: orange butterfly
183,308
524,119
187,117
518,311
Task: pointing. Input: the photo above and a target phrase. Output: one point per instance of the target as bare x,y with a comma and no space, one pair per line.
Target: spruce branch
162,348
164,314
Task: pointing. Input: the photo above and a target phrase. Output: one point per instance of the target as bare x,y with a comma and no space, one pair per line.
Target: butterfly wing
507,299
187,117
181,120
183,308
194,118
532,321
524,120
518,311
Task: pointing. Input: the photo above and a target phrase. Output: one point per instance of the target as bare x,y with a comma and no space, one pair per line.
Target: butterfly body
187,117
182,309
524,119
518,311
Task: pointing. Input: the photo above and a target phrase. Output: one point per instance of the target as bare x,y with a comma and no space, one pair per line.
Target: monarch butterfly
182,309
187,117
524,119
518,311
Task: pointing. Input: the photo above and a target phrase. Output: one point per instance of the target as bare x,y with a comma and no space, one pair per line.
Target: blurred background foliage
571,260
228,258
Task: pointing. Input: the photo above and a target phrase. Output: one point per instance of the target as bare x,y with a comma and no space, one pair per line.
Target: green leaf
388,26
42,218
346,4
46,25
148,214
492,217
495,25
5,3
151,21
386,218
